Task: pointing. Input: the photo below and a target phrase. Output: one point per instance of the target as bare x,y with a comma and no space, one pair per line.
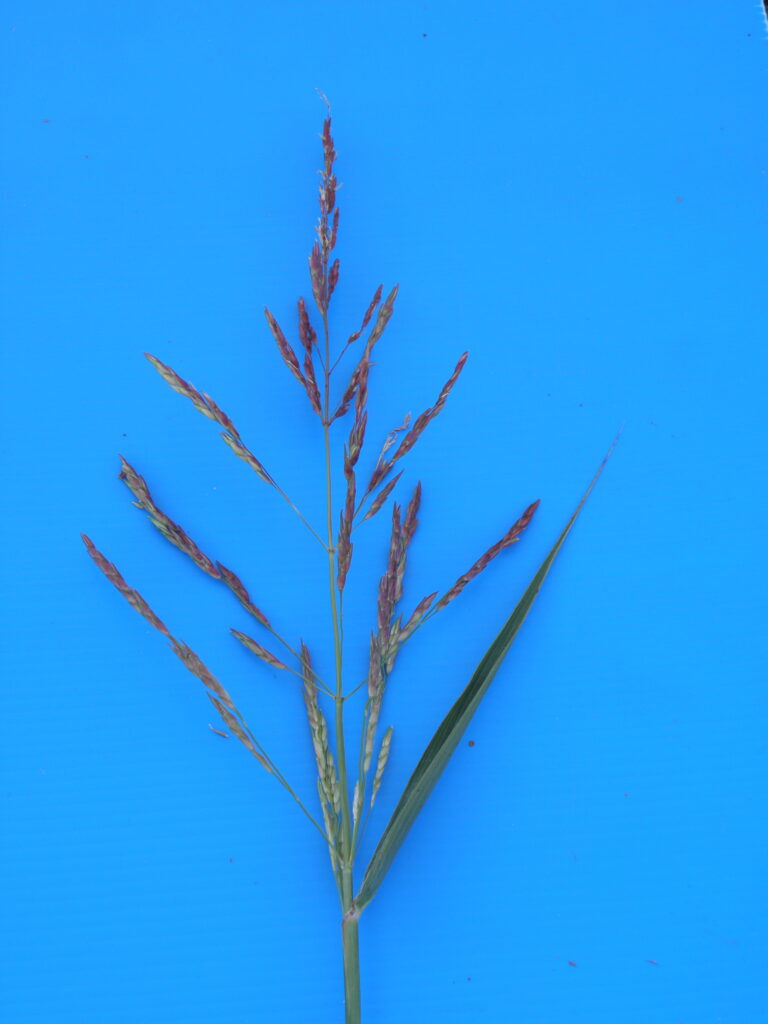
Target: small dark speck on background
469,979
572,963
423,35
471,743
654,962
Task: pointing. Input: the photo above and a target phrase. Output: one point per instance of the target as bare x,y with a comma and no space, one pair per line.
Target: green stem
339,695
350,944
349,930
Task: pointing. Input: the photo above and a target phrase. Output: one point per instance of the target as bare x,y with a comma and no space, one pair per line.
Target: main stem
349,929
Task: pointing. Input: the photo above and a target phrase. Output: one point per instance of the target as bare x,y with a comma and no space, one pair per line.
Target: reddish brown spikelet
133,597
333,278
361,396
308,341
381,497
329,200
307,671
356,437
311,384
359,376
375,673
307,332
317,277
367,318
256,648
349,505
220,416
382,319
407,530
411,522
510,537
289,356
334,230
236,586
344,553
388,582
169,529
329,153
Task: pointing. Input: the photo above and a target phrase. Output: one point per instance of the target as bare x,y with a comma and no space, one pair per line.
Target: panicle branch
289,356
383,466
366,320
216,692
351,455
133,597
206,405
358,382
137,485
180,539
387,640
510,537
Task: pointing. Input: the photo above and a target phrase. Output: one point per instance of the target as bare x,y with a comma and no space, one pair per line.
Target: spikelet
357,803
255,648
381,763
318,729
235,584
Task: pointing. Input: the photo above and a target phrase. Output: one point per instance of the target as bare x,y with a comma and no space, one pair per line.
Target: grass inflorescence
346,788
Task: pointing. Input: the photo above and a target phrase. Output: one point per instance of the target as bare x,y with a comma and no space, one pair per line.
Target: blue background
577,194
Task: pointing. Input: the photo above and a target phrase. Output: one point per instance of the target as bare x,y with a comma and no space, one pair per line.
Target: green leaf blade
452,728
